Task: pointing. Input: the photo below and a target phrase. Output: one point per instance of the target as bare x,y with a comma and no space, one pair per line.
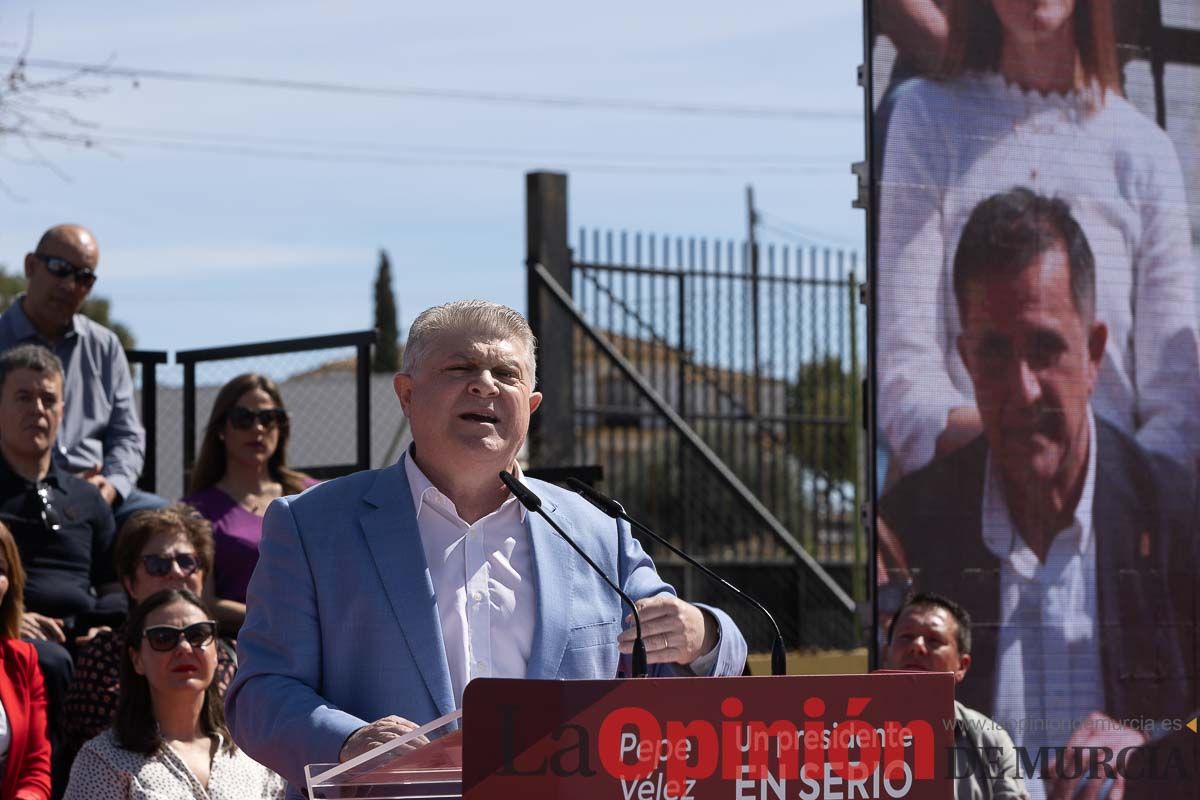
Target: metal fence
1159,33
718,388
343,418
337,454
145,365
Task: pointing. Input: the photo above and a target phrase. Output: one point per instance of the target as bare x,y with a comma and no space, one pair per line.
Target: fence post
362,405
148,480
189,421
148,360
552,428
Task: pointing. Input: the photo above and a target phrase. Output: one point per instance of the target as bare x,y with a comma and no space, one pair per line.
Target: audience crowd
118,612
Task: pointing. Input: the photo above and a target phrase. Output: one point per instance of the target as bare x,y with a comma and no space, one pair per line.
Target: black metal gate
718,388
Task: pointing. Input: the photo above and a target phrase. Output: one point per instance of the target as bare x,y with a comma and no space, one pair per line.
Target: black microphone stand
615,510
526,497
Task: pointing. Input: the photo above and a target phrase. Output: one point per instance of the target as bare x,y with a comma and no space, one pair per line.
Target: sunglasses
243,418
51,520
157,566
63,269
165,638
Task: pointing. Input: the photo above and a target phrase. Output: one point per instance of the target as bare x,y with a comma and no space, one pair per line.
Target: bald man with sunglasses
101,439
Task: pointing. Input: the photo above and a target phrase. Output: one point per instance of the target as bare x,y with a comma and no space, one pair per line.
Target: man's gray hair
482,317
29,356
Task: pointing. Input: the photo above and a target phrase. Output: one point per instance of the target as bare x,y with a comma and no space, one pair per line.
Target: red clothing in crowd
27,766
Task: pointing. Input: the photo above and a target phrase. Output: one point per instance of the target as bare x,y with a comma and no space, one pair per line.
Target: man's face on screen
469,401
1033,361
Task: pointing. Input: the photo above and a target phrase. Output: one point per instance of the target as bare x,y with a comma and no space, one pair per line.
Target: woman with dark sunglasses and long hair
168,548
24,748
169,738
241,468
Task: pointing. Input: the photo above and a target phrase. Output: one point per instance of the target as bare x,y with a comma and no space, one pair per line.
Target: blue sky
202,249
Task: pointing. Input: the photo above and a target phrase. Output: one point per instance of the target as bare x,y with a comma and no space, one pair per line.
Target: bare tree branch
36,110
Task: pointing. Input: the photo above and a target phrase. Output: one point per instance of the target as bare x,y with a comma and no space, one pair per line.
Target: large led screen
1037,384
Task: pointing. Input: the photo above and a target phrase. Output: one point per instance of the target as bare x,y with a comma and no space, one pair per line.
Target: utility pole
753,263
755,398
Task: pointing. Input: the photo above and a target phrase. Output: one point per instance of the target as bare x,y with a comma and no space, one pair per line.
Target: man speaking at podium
380,595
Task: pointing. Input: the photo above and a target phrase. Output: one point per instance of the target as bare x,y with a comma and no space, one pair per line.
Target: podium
426,764
883,736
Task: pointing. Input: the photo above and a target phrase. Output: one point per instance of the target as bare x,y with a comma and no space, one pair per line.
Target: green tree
96,308
825,391
10,287
387,349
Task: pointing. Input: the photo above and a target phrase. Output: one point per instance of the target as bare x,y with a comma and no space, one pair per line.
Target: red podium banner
831,737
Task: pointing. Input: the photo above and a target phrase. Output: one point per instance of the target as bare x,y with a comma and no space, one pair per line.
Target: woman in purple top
241,468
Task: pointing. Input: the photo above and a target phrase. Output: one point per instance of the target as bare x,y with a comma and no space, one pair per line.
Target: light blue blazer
342,627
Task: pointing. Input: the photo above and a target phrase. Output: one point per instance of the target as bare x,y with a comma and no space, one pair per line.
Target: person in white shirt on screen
1030,95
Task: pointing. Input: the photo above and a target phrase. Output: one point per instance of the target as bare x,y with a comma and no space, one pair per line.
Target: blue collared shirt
100,423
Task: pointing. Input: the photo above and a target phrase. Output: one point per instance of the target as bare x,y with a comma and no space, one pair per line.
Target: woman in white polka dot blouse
169,740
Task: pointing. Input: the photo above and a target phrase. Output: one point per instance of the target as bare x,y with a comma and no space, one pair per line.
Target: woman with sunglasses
241,468
168,548
24,748
169,738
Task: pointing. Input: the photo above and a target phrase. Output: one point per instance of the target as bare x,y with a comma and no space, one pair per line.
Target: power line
822,240
831,164
456,95
803,235
418,160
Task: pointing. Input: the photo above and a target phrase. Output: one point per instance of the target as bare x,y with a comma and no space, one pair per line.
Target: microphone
615,510
532,502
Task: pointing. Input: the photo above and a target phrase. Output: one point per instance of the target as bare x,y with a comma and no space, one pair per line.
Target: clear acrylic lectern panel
403,768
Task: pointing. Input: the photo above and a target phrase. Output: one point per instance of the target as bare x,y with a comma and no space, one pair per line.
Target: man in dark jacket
1072,549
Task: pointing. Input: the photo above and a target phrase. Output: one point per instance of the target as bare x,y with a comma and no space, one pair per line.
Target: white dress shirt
482,578
953,143
1049,671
